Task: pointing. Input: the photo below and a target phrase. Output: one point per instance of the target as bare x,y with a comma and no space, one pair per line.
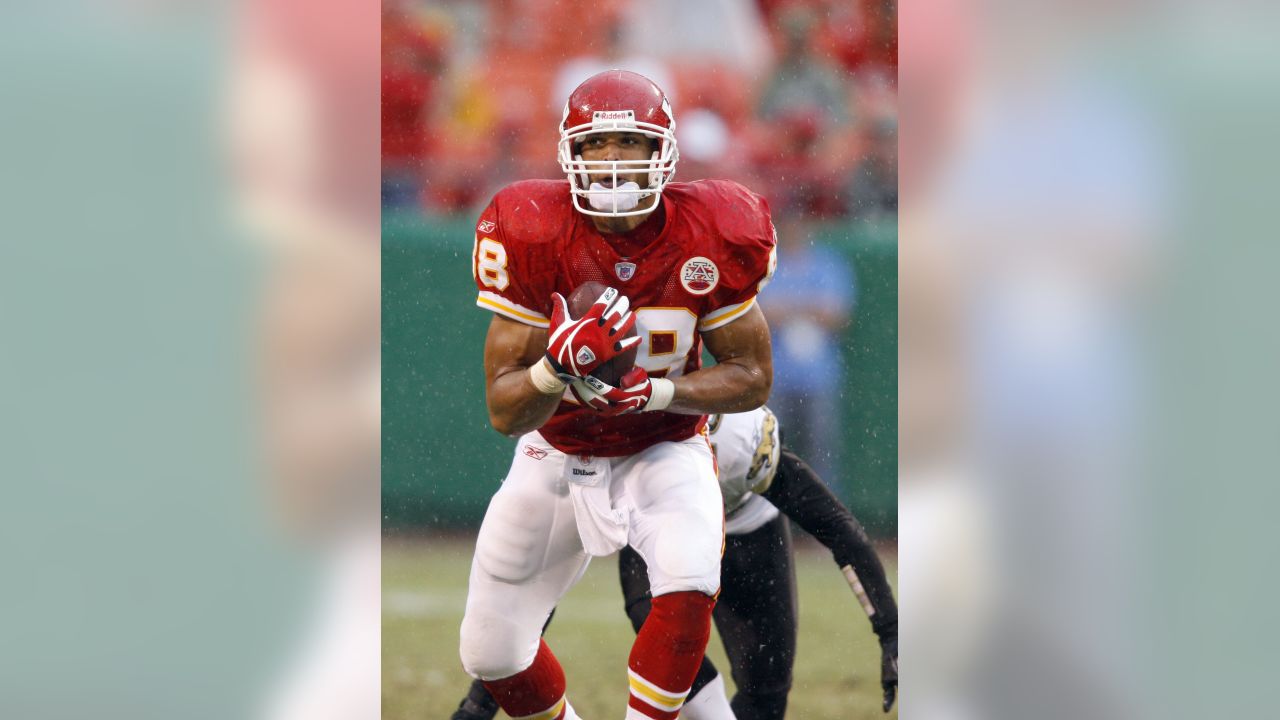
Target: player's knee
685,618
687,560
490,650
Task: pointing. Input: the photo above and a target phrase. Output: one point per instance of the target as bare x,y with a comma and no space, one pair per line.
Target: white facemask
623,198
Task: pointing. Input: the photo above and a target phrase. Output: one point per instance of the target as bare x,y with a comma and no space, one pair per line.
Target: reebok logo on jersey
535,453
585,356
485,226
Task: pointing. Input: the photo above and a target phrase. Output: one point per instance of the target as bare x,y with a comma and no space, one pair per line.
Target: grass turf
424,586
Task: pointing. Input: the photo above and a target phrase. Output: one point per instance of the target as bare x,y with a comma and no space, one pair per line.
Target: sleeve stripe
504,307
725,315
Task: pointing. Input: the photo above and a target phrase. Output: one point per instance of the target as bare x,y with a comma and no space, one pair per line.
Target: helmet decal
614,119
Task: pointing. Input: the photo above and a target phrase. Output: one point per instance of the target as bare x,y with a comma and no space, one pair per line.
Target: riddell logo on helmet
605,119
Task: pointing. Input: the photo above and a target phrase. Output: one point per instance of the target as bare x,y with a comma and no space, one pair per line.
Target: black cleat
469,709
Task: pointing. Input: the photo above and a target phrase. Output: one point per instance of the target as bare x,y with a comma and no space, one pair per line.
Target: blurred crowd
796,99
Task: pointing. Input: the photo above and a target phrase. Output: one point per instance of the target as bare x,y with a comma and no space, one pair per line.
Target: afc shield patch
625,270
699,275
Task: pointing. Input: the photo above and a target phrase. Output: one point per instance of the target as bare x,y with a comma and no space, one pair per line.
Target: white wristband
660,397
546,381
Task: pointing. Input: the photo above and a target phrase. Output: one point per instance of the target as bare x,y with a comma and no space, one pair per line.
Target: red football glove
638,393
576,347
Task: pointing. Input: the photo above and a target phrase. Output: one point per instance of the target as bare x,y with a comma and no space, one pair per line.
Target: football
580,301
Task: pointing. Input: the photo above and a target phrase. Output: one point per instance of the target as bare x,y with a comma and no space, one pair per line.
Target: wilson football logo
699,275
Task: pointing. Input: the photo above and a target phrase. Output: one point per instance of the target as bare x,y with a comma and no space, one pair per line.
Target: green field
424,586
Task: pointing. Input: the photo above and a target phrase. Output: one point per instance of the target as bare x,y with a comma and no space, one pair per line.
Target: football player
598,467
756,611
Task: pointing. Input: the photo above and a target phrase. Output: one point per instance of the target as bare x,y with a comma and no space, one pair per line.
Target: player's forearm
729,387
517,405
800,494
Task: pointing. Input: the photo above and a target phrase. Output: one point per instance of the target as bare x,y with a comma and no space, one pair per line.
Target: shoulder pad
733,213
534,211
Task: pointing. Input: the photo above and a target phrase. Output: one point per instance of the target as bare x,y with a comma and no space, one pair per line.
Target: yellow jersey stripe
512,311
724,316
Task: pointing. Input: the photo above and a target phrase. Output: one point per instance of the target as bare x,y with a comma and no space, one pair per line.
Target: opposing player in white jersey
761,482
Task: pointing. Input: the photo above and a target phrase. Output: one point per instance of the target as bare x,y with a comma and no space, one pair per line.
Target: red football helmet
617,101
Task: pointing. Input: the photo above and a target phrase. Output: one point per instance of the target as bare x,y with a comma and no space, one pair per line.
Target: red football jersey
704,269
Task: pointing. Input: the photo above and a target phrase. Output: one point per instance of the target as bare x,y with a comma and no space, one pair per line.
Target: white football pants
529,551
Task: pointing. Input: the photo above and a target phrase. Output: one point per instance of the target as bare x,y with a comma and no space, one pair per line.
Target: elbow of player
752,384
762,394
751,387
509,429
503,424
758,391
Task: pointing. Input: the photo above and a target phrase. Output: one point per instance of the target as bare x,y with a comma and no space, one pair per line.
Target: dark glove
889,668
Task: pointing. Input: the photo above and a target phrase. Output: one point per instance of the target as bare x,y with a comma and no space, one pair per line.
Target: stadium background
796,100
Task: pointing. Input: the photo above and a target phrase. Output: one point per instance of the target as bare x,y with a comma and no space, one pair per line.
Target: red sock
668,652
535,692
